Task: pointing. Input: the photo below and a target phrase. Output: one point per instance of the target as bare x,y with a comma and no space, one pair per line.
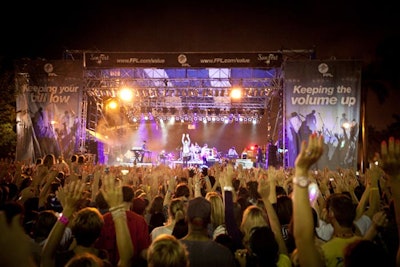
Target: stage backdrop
48,109
323,97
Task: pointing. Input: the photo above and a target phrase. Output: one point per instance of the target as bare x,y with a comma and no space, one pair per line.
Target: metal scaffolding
189,91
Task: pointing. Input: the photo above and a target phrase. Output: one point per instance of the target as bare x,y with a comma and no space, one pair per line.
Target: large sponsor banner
182,60
47,106
323,97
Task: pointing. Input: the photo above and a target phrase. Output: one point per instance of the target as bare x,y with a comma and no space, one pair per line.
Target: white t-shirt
160,230
363,223
324,230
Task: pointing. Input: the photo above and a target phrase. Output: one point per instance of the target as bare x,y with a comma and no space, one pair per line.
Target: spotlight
236,93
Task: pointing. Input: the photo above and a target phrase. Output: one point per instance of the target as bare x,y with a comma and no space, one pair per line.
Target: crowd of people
72,212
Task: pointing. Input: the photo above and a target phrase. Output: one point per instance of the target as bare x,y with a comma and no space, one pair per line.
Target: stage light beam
125,94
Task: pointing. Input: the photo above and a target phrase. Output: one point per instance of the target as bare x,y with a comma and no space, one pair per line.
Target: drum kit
211,153
165,157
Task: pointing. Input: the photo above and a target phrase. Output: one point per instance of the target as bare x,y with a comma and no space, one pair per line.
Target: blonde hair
253,216
167,250
217,209
176,209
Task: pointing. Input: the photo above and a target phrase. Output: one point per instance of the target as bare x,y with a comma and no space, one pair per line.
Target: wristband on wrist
301,181
121,206
228,188
64,220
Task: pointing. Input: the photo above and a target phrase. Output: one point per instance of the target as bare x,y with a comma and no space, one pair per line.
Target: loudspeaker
210,162
272,157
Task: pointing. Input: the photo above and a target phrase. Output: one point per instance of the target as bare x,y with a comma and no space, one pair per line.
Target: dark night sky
335,28
340,29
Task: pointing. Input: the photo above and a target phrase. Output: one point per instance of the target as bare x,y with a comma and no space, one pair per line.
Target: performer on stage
214,152
144,149
205,153
185,150
260,157
232,153
195,149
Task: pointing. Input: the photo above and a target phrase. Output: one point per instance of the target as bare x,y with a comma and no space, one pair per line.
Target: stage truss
187,91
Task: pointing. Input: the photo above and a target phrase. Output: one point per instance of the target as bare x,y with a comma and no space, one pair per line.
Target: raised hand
14,243
310,152
70,195
390,156
112,191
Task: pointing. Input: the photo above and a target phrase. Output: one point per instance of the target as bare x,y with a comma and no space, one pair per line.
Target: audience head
243,192
49,160
280,190
101,203
284,209
182,190
217,208
139,192
340,208
365,252
199,212
236,184
167,251
127,193
253,193
81,159
139,205
53,203
74,158
43,225
177,209
11,209
157,204
86,226
85,260
253,216
264,249
26,182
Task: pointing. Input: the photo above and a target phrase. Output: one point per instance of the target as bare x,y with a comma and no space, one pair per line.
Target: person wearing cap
203,251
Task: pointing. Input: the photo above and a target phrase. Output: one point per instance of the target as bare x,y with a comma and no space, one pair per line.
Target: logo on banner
49,68
99,58
182,59
323,68
267,59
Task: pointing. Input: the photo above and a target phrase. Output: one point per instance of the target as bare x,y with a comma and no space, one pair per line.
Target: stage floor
170,163
180,162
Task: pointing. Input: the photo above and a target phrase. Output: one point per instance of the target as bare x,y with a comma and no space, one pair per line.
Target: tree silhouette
8,140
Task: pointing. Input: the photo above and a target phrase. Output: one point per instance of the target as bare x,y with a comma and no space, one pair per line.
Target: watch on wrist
301,181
